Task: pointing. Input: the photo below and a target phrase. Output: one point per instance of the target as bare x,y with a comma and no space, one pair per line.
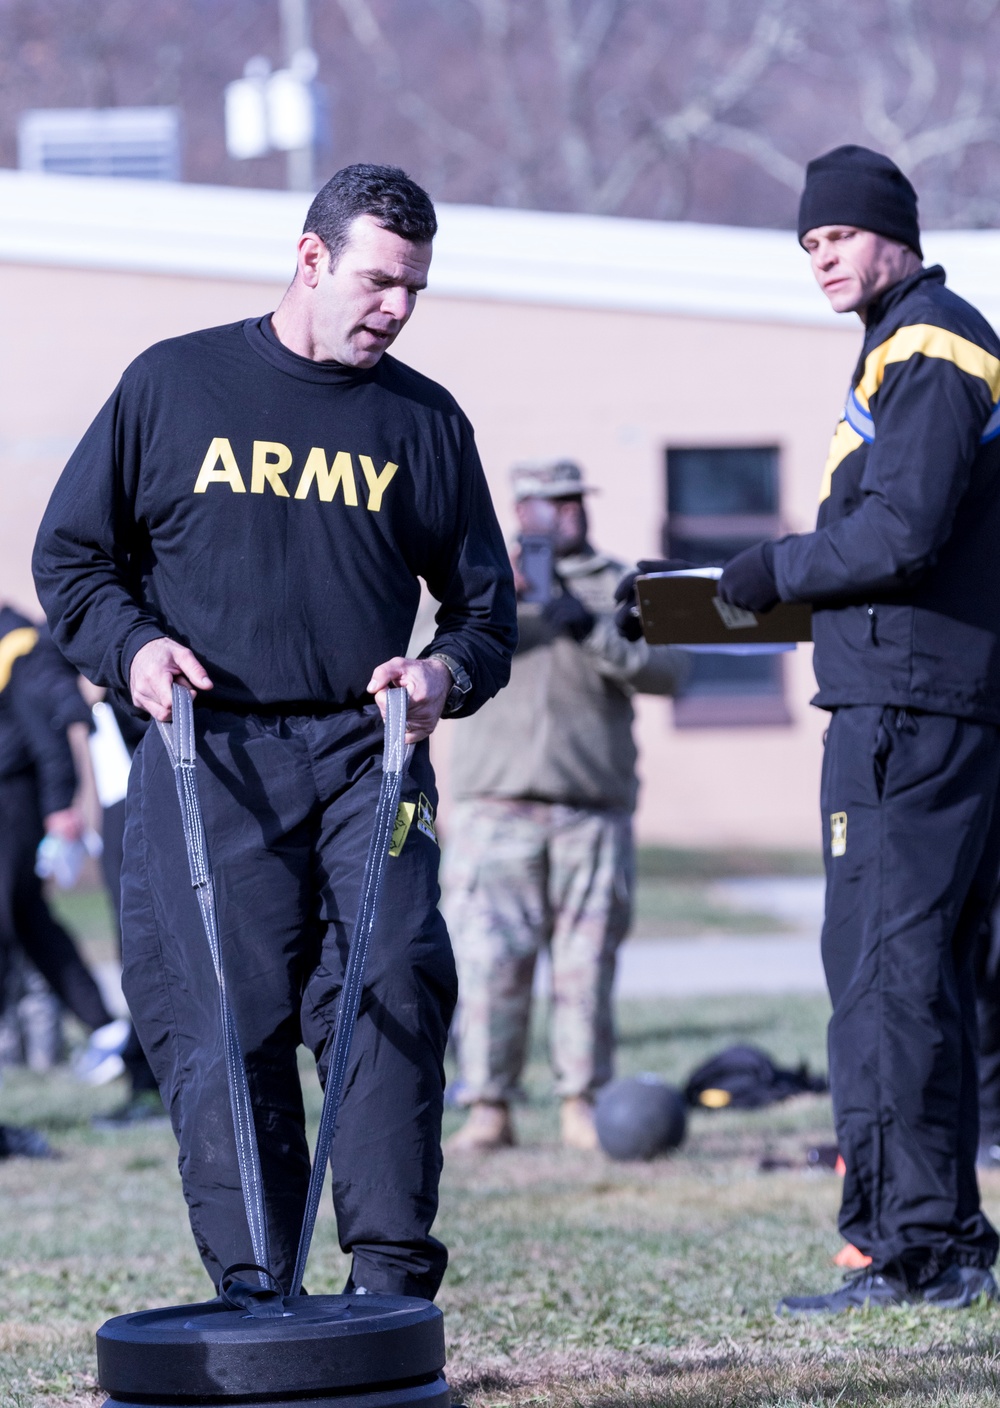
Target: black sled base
348,1351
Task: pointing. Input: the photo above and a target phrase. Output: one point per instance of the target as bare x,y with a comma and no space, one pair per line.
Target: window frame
718,709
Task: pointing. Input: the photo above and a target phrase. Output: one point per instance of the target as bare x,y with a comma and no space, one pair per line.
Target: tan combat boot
489,1126
576,1121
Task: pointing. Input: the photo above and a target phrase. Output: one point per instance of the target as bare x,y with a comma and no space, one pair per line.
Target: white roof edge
481,252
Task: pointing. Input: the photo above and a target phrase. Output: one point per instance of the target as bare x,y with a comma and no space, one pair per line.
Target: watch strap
461,683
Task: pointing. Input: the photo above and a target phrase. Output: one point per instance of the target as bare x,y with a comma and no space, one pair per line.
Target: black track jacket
34,689
904,565
274,514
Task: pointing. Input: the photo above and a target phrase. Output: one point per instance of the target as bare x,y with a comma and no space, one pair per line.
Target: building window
720,501
141,143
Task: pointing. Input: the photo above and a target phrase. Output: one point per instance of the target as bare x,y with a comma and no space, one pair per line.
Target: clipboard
684,608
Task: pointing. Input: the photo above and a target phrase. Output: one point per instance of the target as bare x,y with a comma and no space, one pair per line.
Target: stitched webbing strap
394,761
180,742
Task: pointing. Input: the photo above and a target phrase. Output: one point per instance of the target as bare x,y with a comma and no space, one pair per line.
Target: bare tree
687,109
915,119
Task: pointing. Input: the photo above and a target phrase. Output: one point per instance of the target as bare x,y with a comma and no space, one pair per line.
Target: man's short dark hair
385,193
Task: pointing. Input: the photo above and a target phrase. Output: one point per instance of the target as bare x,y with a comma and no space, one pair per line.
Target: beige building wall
612,389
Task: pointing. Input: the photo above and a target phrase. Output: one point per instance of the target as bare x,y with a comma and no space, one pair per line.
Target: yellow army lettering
340,472
220,451
271,460
377,483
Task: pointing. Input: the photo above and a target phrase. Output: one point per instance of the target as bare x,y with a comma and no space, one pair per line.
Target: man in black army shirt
249,515
904,576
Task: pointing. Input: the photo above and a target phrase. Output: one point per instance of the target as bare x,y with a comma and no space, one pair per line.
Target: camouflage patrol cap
548,479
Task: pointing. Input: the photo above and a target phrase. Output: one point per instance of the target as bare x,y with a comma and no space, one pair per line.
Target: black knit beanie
855,186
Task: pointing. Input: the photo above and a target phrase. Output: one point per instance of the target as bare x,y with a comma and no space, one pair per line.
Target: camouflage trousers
520,877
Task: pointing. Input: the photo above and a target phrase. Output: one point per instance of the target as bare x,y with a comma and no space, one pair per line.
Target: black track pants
988,1015
289,805
25,918
139,1072
909,801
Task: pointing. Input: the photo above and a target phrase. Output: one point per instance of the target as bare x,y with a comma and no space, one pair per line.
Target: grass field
674,895
574,1280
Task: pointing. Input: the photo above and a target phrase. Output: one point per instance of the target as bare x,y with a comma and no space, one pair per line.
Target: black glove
566,615
748,579
627,616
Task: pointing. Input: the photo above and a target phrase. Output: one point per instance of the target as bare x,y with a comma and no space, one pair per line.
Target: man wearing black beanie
903,572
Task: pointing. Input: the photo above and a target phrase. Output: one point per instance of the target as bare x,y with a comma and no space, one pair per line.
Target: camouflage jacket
562,729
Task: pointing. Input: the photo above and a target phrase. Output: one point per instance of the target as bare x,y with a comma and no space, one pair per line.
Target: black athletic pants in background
289,805
988,1018
25,918
911,844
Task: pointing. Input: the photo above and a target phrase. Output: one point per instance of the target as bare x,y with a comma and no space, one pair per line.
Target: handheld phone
536,567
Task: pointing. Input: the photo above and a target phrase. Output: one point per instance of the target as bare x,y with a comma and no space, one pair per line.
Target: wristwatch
460,682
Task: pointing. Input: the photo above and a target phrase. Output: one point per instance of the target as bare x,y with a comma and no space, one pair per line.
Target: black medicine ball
639,1117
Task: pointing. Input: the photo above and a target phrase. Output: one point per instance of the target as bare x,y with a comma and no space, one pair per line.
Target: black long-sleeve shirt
903,569
274,514
34,689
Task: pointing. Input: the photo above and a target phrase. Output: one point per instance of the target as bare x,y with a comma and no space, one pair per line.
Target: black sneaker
144,1108
861,1290
979,1281
17,1141
953,1288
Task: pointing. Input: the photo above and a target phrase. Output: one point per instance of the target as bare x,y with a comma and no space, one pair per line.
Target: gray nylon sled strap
180,741
394,761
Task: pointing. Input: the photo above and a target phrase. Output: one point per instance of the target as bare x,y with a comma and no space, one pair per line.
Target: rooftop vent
141,143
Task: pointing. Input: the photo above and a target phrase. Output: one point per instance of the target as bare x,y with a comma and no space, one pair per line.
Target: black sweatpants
289,804
988,1019
911,841
25,918
137,1068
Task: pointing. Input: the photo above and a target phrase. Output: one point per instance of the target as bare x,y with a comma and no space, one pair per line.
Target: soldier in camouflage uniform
540,852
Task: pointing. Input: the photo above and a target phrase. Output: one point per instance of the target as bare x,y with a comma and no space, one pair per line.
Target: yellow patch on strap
924,339
401,826
845,441
714,1099
21,641
838,833
425,818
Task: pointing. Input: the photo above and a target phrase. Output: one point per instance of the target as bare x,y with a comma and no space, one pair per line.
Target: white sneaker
100,1061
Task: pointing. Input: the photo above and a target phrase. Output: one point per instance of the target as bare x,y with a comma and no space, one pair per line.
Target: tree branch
370,37
759,149
496,22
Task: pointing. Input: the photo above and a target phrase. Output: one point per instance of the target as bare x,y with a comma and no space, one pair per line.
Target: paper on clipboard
684,609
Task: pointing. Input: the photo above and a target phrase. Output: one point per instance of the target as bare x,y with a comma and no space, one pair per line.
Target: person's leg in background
10,985
496,882
39,1016
14,1139
591,880
26,915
